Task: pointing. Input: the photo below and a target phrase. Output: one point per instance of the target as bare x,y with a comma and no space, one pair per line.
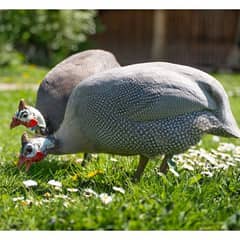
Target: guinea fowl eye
25,115
29,149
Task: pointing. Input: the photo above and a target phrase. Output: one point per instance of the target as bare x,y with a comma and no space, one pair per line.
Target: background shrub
44,37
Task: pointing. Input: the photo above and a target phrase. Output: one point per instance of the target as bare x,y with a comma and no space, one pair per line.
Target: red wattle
32,123
39,156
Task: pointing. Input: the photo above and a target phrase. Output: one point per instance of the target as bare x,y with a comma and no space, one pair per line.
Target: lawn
205,194
20,74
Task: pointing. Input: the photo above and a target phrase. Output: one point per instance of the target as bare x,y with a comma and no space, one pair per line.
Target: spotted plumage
144,109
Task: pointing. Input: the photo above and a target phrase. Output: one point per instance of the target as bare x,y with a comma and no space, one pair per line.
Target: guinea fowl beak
22,160
15,122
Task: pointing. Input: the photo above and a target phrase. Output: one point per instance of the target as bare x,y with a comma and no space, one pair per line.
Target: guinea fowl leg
86,158
141,166
164,166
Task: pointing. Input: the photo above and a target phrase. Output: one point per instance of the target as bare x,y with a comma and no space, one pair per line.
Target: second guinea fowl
57,86
143,109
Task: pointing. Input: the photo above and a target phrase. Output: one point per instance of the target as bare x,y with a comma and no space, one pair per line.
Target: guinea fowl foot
141,166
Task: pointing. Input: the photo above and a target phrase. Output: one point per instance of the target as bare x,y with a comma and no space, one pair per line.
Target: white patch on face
29,113
24,115
38,116
39,144
30,150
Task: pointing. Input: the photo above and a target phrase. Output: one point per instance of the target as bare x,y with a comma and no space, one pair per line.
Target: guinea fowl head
28,117
34,150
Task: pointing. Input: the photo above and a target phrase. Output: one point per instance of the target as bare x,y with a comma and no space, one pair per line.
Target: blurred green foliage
44,37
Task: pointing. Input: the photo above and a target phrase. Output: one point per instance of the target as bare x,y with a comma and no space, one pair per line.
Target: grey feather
146,109
55,89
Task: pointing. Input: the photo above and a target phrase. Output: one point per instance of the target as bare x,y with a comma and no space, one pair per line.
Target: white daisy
105,198
79,160
30,183
88,192
18,199
188,167
226,147
62,196
66,204
72,189
113,159
119,189
55,183
216,139
207,173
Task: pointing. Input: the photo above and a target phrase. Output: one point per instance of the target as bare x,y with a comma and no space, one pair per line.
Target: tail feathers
225,132
230,124
233,132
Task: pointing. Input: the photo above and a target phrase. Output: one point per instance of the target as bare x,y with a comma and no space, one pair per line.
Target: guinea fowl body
144,109
55,89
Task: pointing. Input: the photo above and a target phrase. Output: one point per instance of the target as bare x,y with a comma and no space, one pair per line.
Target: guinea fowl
144,109
55,89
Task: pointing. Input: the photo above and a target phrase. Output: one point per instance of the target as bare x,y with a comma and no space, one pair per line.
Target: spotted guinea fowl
143,109
55,89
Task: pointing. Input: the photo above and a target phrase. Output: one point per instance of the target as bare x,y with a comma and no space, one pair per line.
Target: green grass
187,202
20,74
